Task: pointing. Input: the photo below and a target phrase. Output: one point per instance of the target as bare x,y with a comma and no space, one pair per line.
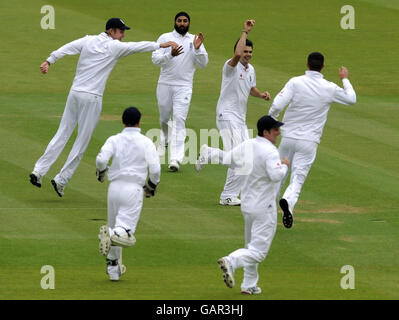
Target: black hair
267,123
315,61
131,116
248,43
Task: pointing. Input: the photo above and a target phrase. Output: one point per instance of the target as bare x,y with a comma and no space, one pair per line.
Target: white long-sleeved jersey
309,97
237,83
133,155
179,70
98,56
261,164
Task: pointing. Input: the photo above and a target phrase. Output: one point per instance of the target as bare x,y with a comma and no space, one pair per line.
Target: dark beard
182,30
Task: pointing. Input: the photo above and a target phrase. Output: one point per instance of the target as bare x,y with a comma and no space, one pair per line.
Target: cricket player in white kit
98,56
308,98
238,82
133,155
175,85
264,171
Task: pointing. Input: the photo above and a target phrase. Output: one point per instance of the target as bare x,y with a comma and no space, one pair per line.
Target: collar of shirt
132,129
178,35
105,35
246,68
311,73
263,140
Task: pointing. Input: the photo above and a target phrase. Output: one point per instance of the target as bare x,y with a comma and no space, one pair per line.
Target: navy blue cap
116,23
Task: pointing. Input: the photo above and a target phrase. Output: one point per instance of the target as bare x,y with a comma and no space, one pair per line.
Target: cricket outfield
347,213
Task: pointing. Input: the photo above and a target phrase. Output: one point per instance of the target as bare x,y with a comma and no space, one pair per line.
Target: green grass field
348,209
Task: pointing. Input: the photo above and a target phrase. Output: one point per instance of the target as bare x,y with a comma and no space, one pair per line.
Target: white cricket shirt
309,97
179,70
264,172
236,85
133,154
98,56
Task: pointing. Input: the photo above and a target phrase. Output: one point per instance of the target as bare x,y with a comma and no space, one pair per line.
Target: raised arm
346,95
200,54
239,51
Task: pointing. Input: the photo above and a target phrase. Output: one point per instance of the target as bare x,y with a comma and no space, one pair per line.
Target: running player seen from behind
308,98
133,155
98,56
238,82
175,85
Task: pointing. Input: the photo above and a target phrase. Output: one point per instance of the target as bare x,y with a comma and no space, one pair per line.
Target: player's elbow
277,175
101,163
352,99
155,174
202,65
155,61
276,179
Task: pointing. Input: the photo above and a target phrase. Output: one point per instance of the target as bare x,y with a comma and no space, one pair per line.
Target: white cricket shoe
202,158
228,272
58,188
105,240
36,179
122,238
230,202
173,165
115,270
252,290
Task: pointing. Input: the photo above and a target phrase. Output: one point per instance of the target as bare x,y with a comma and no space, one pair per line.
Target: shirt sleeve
201,57
346,95
162,56
228,70
283,98
71,48
253,85
106,153
275,169
153,162
124,49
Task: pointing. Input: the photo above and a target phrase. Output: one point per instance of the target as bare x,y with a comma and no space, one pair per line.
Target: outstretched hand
198,40
44,67
169,44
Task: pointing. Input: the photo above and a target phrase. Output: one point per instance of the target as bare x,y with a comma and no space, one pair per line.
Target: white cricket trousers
125,201
83,109
301,154
260,229
174,100
232,134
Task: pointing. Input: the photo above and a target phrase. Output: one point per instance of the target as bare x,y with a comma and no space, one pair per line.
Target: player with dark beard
175,85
